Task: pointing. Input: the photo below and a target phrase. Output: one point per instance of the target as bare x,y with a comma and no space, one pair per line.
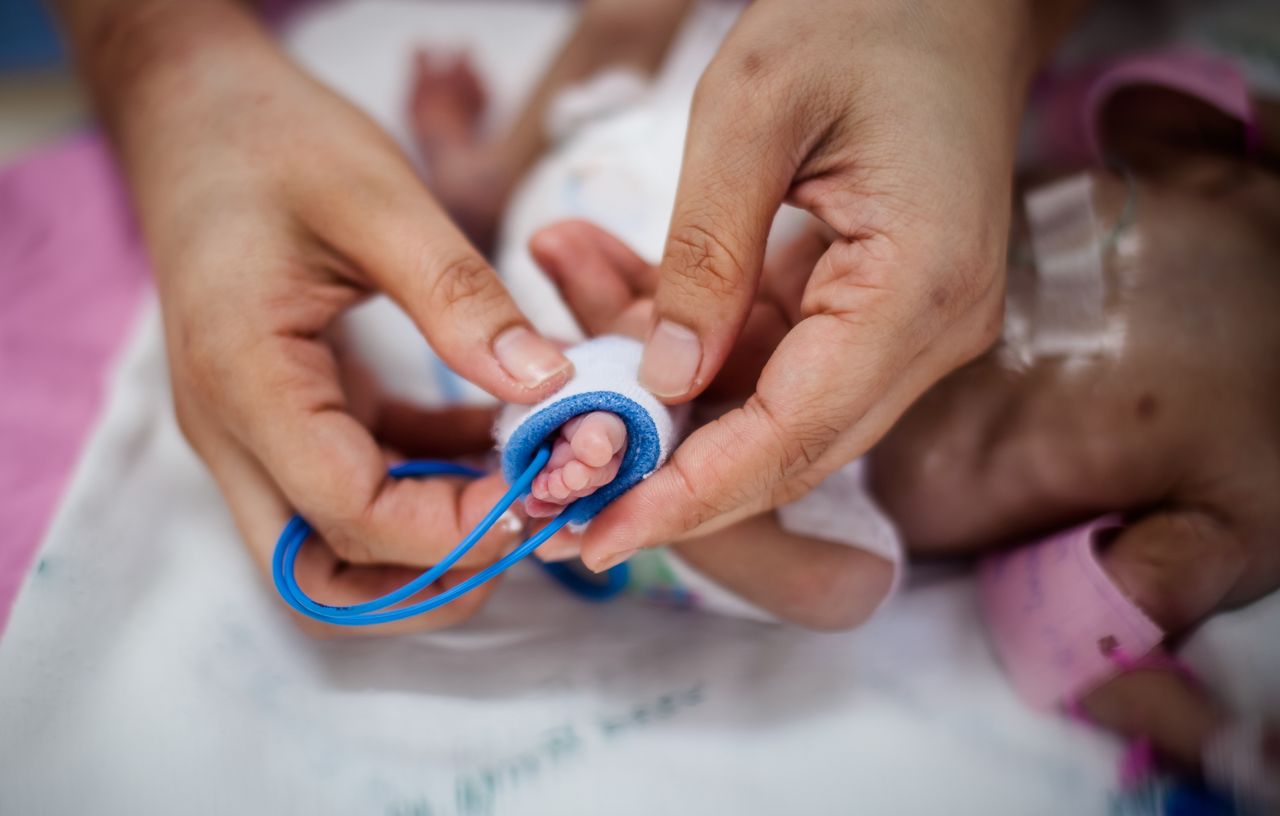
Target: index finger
740,157
394,233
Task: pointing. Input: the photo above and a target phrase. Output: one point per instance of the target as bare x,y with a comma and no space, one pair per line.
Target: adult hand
894,123
270,206
609,289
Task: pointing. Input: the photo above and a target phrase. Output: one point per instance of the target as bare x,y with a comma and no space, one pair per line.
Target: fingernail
671,359
528,358
548,241
611,561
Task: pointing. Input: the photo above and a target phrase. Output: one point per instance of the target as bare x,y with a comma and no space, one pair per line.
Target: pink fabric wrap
1069,127
72,273
1056,618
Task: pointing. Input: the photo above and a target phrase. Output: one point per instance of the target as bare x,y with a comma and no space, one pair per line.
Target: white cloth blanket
148,668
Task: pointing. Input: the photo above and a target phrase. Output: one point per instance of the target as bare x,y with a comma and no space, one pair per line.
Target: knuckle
982,321
347,538
739,79
973,284
706,264
797,443
698,507
972,278
794,488
990,327
710,91
466,280
200,347
197,359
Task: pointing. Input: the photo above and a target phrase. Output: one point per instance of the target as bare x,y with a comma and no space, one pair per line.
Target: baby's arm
1180,566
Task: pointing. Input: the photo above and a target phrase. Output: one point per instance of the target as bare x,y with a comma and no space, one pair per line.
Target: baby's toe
576,476
561,455
538,489
597,438
556,487
601,476
540,508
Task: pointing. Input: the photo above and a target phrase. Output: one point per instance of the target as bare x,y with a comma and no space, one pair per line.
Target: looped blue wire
298,530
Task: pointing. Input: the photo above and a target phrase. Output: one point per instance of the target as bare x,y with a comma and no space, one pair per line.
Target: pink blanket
72,274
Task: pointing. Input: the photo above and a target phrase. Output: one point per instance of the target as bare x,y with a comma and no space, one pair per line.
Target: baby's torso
1178,403
1156,384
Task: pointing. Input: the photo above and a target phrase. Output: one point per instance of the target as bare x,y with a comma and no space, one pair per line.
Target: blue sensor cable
298,530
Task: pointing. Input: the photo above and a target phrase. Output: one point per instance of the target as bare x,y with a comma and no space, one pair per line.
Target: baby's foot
446,106
446,102
585,457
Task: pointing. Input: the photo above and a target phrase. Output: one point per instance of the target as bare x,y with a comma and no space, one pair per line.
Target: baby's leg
446,101
813,583
585,457
469,176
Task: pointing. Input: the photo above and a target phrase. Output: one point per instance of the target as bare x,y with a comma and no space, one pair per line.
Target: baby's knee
838,590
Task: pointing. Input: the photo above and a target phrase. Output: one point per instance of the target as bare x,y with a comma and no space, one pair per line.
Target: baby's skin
585,457
1172,422
472,173
446,105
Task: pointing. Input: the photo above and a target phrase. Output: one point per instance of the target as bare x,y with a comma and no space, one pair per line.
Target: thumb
409,249
739,160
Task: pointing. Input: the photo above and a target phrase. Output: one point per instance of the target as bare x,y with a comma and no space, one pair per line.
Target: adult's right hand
894,123
270,206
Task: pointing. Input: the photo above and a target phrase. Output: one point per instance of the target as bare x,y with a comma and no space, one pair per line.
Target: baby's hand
609,289
586,456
